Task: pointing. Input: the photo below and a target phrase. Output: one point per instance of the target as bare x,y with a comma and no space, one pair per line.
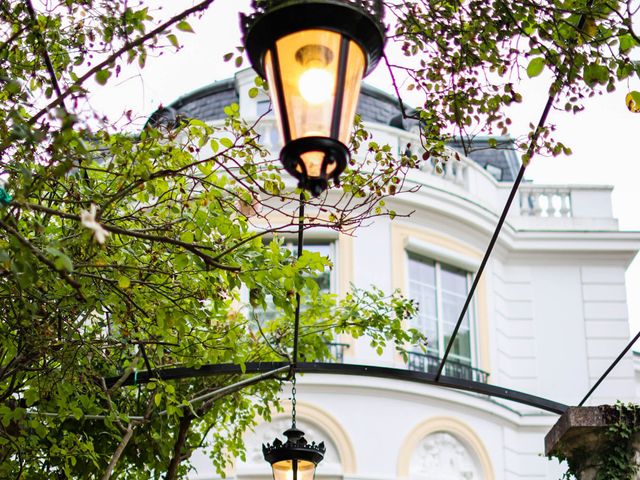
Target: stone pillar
585,438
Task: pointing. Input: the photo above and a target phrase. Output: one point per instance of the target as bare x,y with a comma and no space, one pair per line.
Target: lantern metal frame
296,448
359,21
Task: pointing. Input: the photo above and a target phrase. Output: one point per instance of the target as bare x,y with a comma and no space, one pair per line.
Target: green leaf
142,59
124,282
226,142
253,92
77,413
633,101
13,86
594,73
186,237
61,261
31,396
174,40
535,67
627,42
102,76
184,26
181,261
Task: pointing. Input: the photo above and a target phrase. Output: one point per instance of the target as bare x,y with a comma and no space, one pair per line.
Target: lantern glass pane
268,67
353,80
284,470
308,63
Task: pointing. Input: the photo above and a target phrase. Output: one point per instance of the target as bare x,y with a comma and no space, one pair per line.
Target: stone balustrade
551,202
452,170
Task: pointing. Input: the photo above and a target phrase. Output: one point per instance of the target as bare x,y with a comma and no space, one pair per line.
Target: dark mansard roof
374,105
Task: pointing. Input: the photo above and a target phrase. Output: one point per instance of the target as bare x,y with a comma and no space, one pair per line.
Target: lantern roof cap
296,447
359,20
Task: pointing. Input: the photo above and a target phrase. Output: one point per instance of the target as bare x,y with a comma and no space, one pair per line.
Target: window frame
290,242
471,311
332,243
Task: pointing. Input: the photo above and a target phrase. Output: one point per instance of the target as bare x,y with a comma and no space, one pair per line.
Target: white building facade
548,317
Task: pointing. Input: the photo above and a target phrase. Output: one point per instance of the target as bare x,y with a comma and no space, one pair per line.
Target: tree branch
111,58
118,452
45,53
193,248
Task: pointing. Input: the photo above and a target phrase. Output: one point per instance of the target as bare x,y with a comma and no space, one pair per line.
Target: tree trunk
181,436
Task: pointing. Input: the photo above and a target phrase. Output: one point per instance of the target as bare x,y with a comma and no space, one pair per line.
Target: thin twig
124,49
45,53
41,256
193,248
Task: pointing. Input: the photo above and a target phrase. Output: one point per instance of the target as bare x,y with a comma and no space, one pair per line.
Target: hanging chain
293,401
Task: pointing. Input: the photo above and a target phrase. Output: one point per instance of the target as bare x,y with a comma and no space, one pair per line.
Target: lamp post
314,54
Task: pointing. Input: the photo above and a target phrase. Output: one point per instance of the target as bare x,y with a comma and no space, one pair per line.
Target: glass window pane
454,292
326,250
426,277
454,280
353,79
422,289
324,280
461,350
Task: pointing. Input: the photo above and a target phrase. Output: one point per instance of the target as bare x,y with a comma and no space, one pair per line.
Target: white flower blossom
88,220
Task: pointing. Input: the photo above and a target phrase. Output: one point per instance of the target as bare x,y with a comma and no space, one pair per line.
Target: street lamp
314,54
294,459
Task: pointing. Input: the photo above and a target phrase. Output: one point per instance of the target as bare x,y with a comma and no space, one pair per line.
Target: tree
123,252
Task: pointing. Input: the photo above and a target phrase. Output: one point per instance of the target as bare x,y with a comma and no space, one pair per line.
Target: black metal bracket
356,370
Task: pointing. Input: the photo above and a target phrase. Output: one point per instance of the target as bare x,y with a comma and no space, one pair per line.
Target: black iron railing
423,362
336,351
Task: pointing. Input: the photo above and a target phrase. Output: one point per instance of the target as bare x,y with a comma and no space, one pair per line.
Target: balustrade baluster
551,208
448,170
536,209
565,204
524,203
459,173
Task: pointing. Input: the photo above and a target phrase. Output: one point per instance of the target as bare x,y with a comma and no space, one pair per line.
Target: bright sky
604,138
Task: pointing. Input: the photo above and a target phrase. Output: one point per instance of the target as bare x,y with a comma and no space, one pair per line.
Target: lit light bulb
316,85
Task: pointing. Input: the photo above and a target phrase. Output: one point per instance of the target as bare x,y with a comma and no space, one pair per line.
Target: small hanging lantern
294,459
314,54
